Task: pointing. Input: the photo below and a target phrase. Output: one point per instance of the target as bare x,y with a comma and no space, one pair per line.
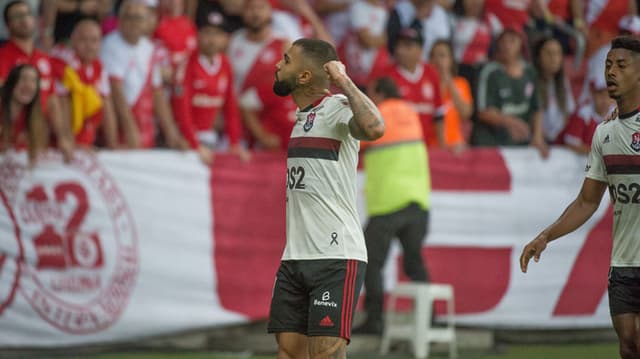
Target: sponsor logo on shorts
325,302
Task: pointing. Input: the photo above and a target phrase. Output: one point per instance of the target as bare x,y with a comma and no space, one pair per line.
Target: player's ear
305,77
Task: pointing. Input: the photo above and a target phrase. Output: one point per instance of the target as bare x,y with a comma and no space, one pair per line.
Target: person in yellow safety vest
397,190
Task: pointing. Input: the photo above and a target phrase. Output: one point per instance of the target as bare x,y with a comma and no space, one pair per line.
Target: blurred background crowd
198,74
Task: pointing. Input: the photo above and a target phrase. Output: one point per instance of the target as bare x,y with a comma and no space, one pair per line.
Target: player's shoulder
336,102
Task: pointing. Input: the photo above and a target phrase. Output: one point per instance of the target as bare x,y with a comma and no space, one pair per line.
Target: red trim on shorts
347,298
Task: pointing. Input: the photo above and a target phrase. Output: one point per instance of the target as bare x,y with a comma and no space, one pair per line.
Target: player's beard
283,87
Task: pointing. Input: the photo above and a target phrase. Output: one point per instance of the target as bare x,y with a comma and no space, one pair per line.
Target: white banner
113,249
120,245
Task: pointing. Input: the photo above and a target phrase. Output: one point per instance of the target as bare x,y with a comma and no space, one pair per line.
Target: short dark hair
386,87
319,51
10,4
626,42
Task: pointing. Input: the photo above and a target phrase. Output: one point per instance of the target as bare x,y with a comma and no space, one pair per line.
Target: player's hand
533,249
337,73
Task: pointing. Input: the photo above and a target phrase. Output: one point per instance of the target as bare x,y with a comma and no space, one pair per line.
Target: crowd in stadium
198,74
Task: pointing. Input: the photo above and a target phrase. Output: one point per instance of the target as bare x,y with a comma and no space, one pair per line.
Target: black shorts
316,297
624,290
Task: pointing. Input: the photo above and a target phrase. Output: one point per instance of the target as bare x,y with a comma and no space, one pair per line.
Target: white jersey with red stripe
322,220
615,160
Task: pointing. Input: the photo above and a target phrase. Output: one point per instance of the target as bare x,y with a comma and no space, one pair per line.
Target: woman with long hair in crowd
22,123
456,96
556,99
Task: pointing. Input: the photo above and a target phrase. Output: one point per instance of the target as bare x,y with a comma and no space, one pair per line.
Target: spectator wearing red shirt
20,49
80,75
175,32
418,83
204,88
512,14
582,125
22,125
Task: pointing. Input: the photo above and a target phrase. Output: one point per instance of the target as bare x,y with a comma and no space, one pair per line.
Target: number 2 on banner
82,250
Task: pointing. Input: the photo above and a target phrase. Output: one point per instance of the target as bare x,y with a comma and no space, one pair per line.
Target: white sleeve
115,66
103,84
342,113
595,168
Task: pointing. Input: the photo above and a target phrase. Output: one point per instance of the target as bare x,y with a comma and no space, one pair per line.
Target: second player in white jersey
322,221
615,159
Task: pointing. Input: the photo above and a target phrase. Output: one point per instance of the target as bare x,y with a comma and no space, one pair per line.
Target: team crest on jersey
309,123
635,141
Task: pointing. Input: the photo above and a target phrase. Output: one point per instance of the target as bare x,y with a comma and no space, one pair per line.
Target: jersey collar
316,103
624,116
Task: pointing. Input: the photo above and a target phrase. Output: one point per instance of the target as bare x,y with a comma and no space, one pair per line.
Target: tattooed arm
367,123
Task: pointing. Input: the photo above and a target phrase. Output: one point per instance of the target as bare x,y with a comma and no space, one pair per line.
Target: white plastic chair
420,333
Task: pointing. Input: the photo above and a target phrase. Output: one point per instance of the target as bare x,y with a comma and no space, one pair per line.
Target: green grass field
582,351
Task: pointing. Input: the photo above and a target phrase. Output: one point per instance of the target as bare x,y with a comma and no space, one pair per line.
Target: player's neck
628,104
306,97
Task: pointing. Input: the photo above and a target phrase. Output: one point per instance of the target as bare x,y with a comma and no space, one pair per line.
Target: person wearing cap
582,125
507,100
419,83
203,89
628,25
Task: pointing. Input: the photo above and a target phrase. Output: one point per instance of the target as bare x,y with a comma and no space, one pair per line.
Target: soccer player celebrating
614,164
323,265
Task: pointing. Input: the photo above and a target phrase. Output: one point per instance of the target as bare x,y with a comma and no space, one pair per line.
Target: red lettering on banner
587,282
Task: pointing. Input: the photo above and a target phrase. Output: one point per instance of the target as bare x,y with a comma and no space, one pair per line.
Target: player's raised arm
367,123
576,214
